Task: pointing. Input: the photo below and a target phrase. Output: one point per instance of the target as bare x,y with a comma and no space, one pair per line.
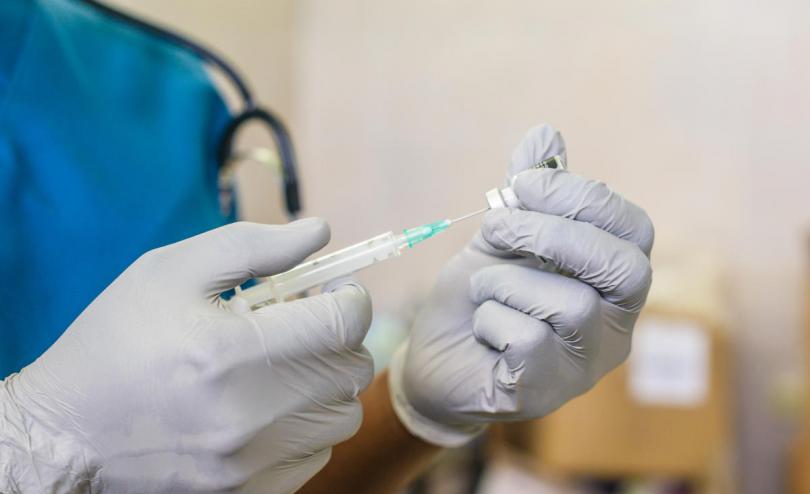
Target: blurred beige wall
405,112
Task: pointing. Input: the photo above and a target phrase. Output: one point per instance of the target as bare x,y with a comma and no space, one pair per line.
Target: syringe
280,287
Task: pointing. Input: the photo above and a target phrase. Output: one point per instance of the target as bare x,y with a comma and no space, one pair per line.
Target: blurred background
405,112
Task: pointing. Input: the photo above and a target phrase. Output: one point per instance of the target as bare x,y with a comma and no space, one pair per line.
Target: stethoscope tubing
250,112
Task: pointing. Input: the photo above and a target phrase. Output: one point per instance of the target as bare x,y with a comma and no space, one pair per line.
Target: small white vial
506,198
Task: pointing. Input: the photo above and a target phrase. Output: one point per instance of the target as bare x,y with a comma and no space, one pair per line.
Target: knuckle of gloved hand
583,306
548,236
636,279
594,192
646,231
501,229
490,282
532,186
487,326
529,337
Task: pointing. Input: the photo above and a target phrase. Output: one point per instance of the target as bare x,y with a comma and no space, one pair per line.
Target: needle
461,218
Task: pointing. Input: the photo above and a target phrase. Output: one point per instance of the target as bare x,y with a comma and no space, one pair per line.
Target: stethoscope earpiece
285,151
252,112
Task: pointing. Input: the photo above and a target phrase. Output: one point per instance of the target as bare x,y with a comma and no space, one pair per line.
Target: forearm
382,457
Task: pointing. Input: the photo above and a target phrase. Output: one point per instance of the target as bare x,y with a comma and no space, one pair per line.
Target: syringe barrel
316,272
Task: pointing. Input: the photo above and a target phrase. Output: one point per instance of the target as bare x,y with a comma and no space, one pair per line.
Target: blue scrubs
107,149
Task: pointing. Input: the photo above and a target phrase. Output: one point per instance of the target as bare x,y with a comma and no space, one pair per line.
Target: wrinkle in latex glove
538,307
157,388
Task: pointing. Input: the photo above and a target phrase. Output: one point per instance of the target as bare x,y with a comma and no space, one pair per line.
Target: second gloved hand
533,312
157,387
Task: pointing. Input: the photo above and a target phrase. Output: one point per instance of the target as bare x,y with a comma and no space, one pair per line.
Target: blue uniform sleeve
108,140
15,17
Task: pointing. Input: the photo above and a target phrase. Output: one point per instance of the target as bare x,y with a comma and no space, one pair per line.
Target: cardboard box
798,475
617,430
799,469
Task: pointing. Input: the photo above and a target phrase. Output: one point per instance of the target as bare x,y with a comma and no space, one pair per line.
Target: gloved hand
536,309
157,387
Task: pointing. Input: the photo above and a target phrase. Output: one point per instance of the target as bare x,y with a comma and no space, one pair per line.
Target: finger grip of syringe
318,271
255,296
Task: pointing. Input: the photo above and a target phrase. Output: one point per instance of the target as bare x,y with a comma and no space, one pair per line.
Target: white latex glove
157,387
504,335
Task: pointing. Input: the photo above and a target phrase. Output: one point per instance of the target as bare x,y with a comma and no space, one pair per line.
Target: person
157,387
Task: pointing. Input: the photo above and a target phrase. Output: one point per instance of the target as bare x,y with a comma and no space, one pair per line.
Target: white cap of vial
502,198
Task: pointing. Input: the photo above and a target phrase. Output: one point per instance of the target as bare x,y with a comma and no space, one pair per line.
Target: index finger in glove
571,196
208,264
338,319
616,268
565,303
541,142
321,338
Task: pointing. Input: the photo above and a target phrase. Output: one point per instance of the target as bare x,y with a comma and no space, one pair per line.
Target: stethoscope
252,112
